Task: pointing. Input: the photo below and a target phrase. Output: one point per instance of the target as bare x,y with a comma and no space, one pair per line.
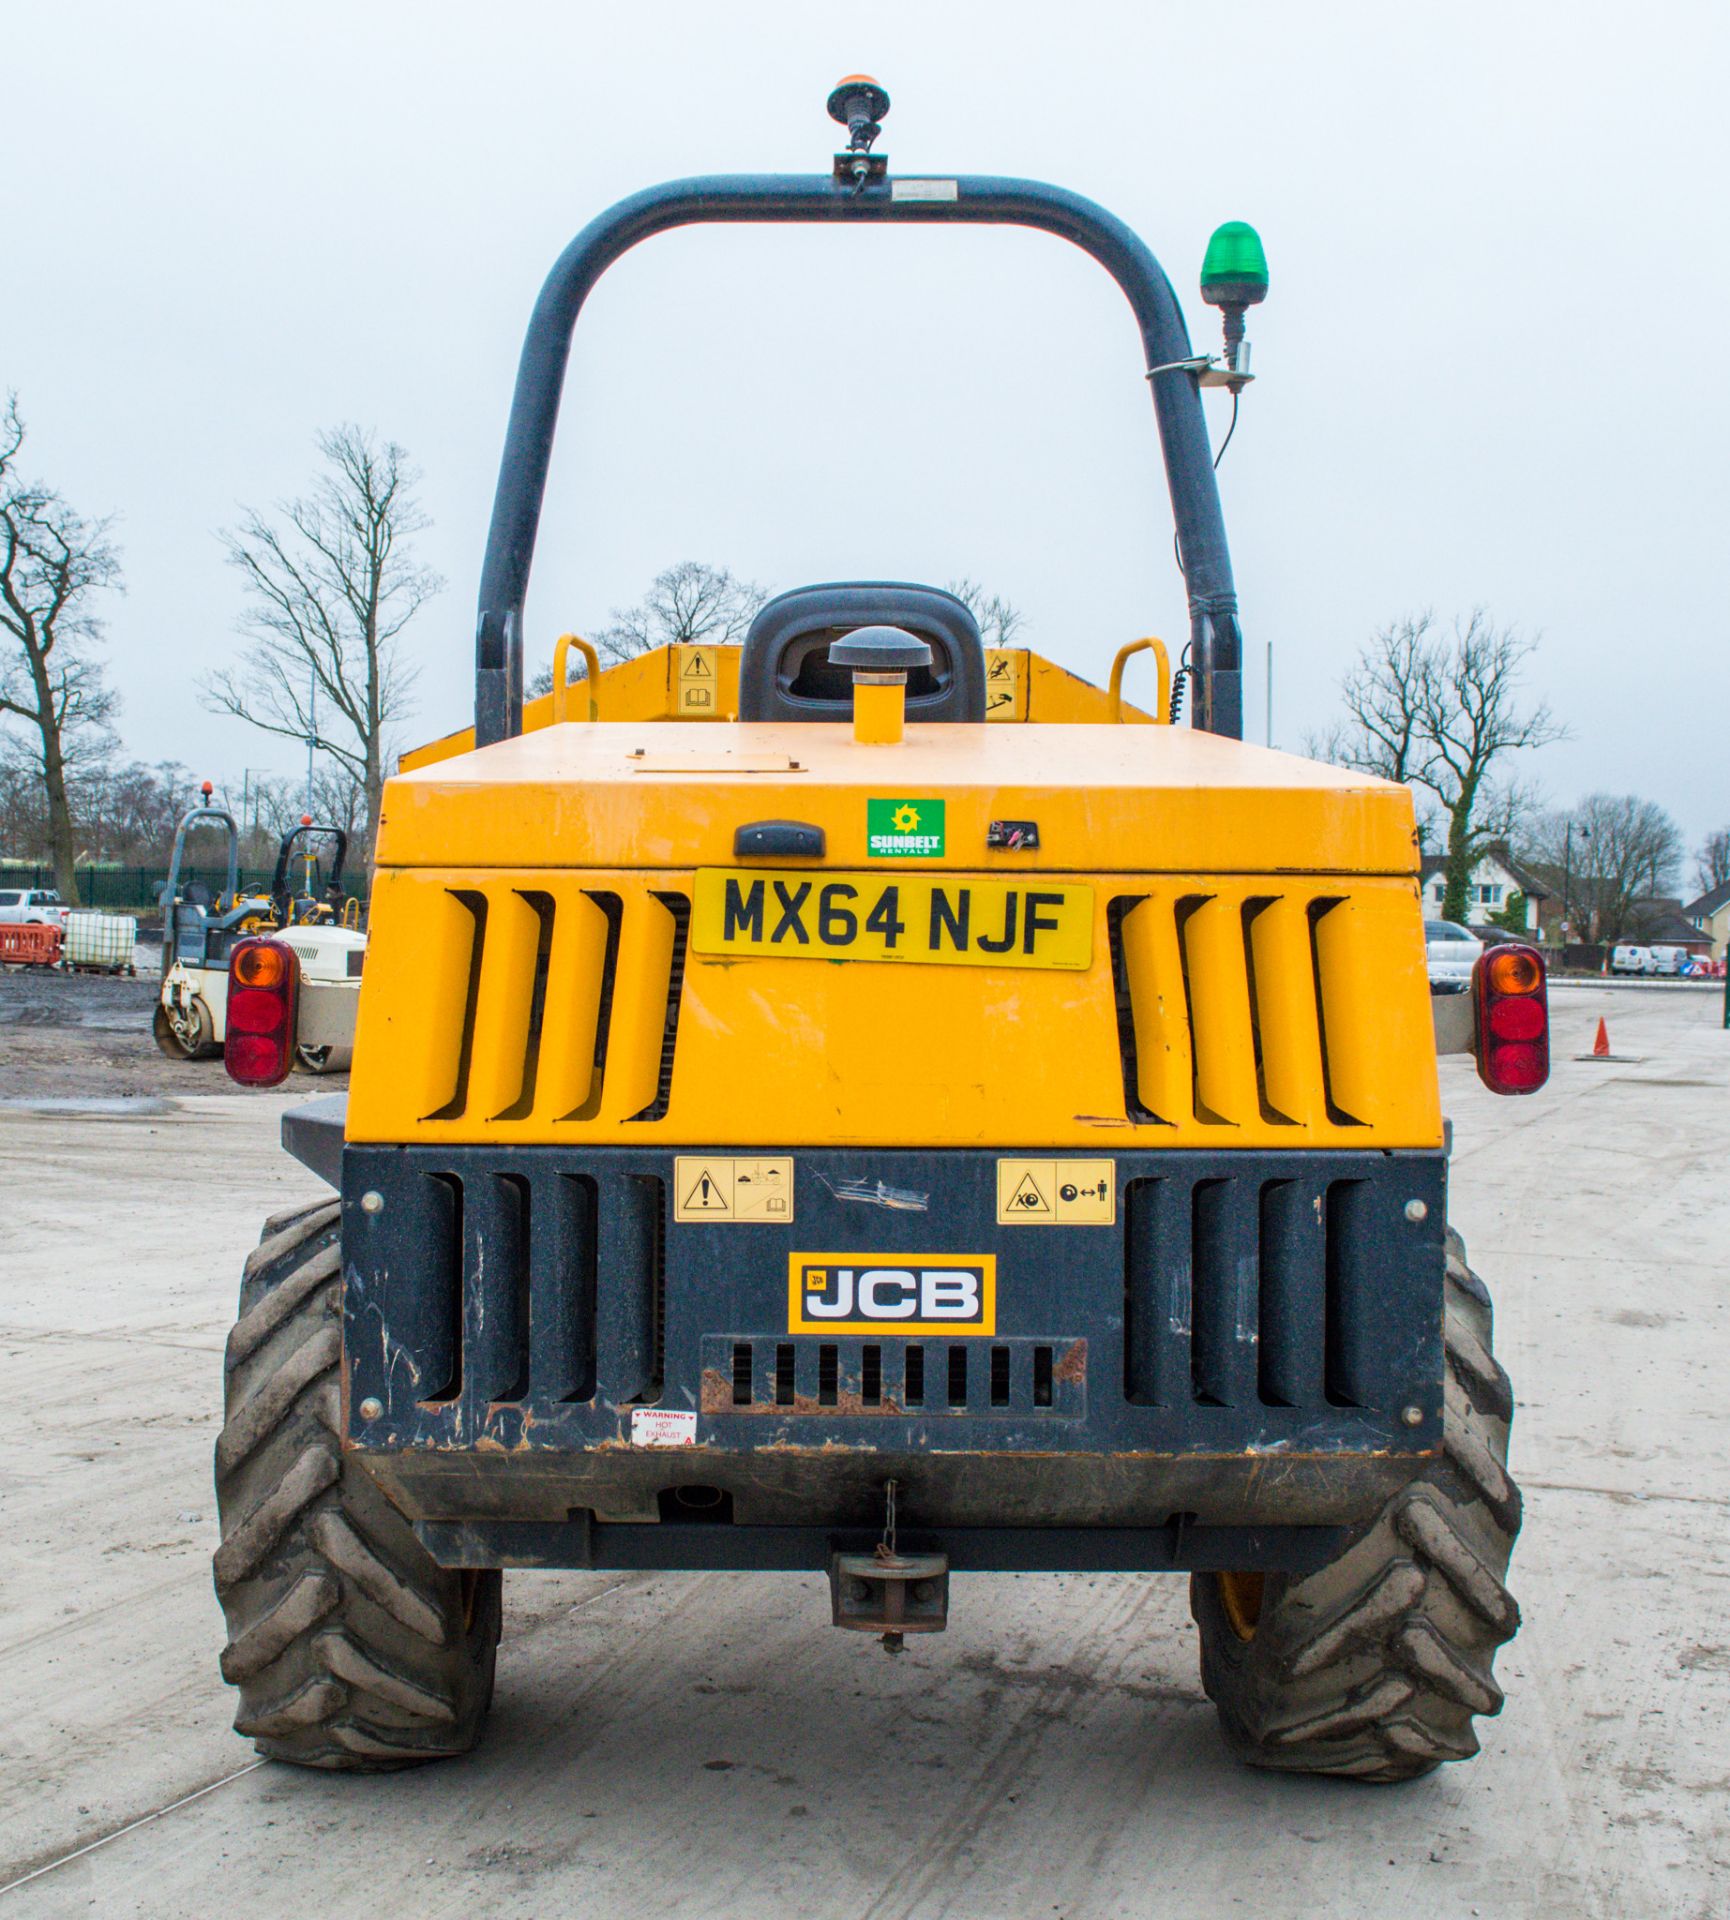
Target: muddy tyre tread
1375,1666
350,1646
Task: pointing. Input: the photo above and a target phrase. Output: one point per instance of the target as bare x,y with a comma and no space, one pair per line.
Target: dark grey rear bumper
1255,1342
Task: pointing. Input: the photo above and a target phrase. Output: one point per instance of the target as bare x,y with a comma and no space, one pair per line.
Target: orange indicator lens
1514,971
259,966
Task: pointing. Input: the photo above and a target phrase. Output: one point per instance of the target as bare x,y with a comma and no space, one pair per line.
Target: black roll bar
281,893
206,814
977,199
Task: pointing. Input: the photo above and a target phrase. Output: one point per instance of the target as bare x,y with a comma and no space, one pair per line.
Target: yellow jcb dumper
864,1102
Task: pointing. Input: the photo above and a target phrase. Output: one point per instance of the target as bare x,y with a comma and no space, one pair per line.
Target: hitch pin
887,1556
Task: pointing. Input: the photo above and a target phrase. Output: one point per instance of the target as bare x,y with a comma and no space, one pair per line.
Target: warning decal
1060,1193
1029,1199
719,1189
663,1427
706,1195
698,673
1006,683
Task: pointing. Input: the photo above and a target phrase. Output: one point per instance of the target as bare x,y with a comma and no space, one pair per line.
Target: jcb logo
874,1293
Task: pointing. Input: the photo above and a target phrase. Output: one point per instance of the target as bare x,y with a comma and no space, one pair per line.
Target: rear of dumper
881,1132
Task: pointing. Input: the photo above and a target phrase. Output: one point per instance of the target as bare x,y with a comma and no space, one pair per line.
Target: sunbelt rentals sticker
904,829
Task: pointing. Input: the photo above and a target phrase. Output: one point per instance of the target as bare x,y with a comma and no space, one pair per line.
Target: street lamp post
1567,873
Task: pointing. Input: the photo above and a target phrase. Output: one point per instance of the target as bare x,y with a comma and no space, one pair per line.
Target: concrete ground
708,1746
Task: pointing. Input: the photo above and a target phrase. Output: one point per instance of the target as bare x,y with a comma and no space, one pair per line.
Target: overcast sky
1491,367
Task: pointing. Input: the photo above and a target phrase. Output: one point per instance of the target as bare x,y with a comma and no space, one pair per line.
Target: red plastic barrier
30,946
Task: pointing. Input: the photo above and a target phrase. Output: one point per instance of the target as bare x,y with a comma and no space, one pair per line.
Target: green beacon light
1234,277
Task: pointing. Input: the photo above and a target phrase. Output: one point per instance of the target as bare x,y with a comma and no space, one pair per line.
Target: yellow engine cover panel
545,1004
1226,949
1106,798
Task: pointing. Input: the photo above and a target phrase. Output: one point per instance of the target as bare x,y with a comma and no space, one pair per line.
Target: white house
1495,880
1710,914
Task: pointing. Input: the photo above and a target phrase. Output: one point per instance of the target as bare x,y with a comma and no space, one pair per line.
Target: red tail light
263,992
1513,1019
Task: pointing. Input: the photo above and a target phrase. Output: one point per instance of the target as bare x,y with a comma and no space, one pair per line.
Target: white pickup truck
32,907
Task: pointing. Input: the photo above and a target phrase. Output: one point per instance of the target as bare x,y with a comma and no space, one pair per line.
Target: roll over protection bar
967,199
281,893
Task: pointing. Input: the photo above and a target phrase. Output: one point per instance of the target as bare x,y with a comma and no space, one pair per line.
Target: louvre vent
1223,1011
841,1378
569,1003
1241,1292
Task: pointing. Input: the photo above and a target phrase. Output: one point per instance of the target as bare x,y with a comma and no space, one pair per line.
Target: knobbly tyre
995,1129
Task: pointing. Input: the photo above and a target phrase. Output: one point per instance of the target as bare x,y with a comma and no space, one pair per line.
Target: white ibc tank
99,940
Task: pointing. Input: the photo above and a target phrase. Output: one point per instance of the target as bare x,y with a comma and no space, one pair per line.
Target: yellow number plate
852,916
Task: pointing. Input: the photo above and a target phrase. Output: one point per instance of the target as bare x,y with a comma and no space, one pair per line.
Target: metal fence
131,888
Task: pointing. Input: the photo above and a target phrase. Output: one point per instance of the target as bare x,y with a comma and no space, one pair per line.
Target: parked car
1452,952
32,907
1632,958
1674,960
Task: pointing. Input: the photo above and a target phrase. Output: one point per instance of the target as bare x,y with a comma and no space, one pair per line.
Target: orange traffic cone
1601,1046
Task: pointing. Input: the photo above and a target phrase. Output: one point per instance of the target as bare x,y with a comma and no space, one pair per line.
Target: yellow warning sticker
1006,683
719,1189
1057,1193
699,675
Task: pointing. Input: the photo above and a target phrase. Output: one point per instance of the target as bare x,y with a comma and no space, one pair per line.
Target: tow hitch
887,1591
890,1593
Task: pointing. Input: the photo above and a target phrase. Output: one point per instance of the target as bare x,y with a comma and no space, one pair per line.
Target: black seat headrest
785,672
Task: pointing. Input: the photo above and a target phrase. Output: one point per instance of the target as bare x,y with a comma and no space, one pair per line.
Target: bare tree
52,561
331,581
999,619
1472,720
1442,713
1384,691
1712,862
1623,850
127,812
686,604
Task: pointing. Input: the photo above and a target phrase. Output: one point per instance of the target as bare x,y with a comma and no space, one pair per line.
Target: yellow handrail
1162,705
591,659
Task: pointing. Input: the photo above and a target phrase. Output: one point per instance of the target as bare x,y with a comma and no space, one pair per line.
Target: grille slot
613,910
1241,1292
680,908
440,1345
885,1378
1141,1114
541,905
1000,1376
475,905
